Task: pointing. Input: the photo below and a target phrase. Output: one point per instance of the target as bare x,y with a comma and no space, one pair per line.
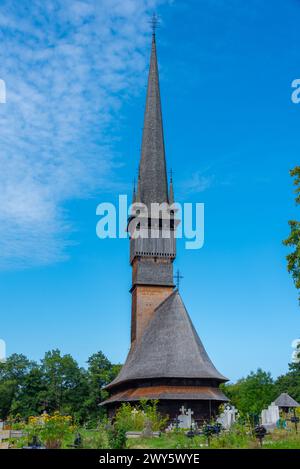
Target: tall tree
293,241
12,374
15,367
28,400
100,372
252,394
65,384
7,393
290,382
57,383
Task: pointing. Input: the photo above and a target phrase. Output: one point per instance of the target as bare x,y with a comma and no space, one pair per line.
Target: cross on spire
154,22
178,277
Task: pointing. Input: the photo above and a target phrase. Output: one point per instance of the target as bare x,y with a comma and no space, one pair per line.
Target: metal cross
154,22
178,277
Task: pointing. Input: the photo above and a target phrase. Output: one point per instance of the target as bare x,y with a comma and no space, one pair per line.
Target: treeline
56,383
255,392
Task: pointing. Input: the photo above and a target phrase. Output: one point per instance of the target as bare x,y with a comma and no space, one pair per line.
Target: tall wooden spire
153,184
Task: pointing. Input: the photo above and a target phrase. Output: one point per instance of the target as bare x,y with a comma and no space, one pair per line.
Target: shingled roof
190,393
284,400
152,183
169,348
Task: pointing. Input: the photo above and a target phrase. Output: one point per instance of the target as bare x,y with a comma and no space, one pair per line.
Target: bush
130,418
49,429
117,438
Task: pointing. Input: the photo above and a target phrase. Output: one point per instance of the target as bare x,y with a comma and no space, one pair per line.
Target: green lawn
277,440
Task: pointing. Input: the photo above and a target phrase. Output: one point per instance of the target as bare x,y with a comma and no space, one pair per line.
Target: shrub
117,438
49,429
55,428
130,418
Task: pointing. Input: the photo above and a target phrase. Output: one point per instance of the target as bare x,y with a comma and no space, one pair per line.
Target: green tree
7,392
57,383
100,372
65,384
293,241
252,394
12,374
15,367
290,382
28,400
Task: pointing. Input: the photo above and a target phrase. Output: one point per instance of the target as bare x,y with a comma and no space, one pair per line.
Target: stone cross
182,410
228,417
185,418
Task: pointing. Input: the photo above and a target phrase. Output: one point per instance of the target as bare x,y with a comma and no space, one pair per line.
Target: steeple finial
154,22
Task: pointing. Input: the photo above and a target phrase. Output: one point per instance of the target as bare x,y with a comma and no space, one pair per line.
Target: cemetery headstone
147,432
185,419
228,417
270,416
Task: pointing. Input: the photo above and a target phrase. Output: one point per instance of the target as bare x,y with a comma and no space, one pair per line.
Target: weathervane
178,277
154,22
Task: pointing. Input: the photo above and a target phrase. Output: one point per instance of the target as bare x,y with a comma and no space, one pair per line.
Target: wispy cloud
198,182
68,65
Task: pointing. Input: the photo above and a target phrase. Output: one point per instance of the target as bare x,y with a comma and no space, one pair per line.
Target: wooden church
167,360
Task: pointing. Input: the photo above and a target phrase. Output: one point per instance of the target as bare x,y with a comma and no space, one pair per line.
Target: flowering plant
51,429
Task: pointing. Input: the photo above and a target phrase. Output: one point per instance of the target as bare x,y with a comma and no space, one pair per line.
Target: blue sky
70,137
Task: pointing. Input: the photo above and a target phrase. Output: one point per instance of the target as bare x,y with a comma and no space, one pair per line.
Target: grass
282,439
279,439
166,441
92,439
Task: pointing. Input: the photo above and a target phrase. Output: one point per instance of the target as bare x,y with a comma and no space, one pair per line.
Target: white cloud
67,66
198,182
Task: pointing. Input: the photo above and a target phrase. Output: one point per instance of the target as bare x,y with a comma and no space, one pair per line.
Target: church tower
167,360
151,255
